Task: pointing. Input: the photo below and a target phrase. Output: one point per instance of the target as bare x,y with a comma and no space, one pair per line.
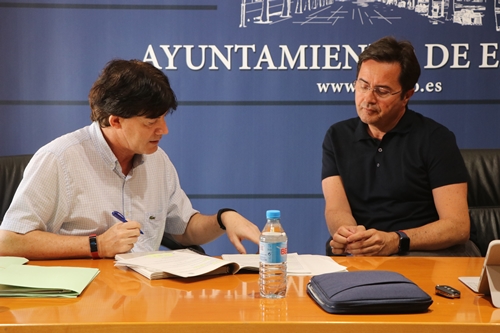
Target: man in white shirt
63,206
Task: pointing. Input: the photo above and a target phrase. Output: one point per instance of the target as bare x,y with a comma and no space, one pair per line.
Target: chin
365,119
150,151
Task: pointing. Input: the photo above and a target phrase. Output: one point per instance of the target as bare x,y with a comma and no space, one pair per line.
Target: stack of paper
18,280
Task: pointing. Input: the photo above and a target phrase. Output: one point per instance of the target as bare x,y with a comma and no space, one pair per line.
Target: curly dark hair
130,88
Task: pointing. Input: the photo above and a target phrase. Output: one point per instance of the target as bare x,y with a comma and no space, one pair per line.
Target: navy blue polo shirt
389,182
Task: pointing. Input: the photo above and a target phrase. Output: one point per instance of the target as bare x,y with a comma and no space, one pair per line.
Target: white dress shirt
73,184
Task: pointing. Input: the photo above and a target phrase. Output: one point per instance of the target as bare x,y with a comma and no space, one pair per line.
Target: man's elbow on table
8,243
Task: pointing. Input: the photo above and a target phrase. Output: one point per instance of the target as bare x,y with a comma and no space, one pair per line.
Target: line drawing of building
303,12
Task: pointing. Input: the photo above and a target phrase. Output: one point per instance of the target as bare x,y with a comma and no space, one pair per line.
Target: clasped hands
357,241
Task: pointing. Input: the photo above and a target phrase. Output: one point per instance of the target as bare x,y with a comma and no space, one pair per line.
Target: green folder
44,281
7,261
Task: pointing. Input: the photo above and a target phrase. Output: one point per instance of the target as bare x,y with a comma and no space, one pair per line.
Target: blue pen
122,218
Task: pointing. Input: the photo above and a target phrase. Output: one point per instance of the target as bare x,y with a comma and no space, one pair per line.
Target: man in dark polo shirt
394,181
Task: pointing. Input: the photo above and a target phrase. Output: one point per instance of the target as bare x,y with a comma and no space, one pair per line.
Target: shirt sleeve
329,163
37,197
180,209
446,164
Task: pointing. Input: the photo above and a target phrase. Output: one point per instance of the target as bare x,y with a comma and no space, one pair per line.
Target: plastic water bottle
273,251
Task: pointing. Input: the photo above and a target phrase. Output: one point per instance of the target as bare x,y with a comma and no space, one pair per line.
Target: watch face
93,247
404,242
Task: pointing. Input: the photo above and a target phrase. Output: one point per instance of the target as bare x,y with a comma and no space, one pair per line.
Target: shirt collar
404,124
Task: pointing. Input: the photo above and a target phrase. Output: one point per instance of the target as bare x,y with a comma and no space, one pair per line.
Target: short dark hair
389,50
130,88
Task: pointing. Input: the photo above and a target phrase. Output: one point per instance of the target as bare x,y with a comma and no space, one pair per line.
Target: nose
163,128
370,95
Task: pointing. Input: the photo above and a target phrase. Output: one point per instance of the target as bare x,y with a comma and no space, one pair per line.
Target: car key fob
447,291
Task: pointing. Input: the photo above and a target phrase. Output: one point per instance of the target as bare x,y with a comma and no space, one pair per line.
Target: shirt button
380,150
378,165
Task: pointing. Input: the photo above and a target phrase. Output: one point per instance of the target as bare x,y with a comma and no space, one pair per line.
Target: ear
409,94
115,121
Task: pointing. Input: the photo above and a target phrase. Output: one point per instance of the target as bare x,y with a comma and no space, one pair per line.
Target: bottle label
273,253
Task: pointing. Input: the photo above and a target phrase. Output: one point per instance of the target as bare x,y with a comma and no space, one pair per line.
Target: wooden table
120,300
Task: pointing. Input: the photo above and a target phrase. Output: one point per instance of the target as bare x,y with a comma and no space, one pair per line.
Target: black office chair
170,243
11,174
483,195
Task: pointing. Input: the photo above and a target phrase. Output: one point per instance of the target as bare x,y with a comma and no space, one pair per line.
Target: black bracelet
219,213
93,246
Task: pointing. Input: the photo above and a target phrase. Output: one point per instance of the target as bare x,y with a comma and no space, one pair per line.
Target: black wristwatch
404,242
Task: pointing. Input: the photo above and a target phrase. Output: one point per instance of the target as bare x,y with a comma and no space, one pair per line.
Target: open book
177,263
186,263
297,264
19,280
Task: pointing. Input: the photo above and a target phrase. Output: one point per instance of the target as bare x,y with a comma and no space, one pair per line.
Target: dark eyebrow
384,87
363,81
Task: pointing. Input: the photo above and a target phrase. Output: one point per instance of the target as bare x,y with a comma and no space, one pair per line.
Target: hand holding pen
121,218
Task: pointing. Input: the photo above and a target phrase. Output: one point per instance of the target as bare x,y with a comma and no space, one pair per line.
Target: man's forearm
337,219
200,230
438,235
43,245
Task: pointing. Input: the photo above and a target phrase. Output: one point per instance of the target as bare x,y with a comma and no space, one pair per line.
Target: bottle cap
273,214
